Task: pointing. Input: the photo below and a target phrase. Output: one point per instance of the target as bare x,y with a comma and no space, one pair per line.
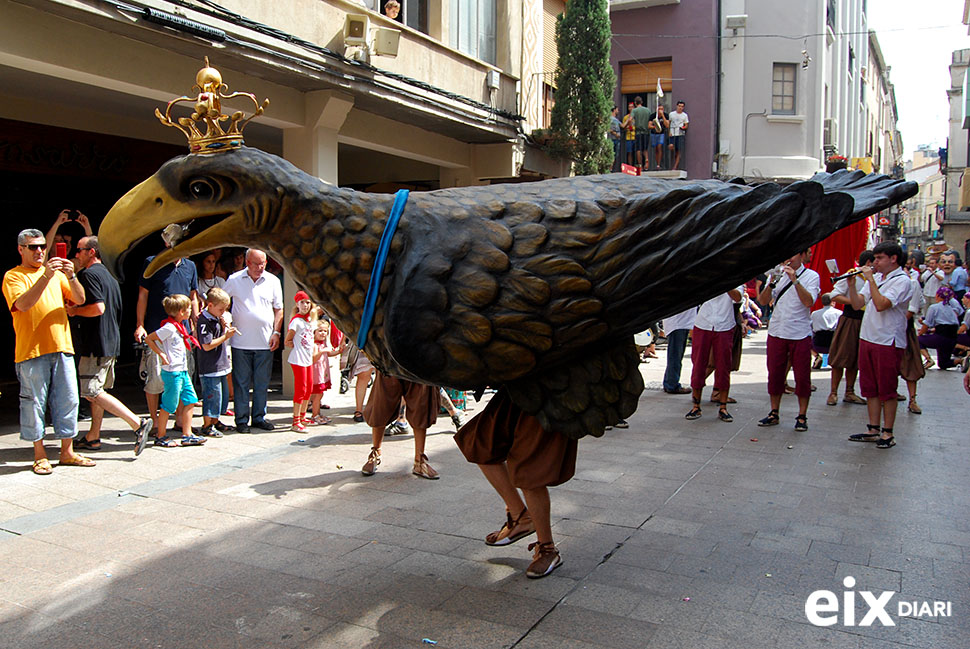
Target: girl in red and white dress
299,337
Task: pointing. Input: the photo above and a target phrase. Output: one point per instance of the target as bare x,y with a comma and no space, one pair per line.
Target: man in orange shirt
44,354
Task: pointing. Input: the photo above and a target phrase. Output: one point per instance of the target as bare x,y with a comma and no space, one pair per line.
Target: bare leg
161,423
184,417
539,509
40,453
377,437
836,379
850,376
776,401
152,400
874,406
360,390
97,417
498,476
802,405
911,386
105,401
67,449
888,415
446,402
420,434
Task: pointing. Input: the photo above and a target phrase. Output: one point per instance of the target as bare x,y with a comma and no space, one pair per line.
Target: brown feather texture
538,286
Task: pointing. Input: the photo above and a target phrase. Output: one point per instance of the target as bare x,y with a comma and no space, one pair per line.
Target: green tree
584,87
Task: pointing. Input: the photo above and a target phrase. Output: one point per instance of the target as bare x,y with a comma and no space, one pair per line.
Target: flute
851,273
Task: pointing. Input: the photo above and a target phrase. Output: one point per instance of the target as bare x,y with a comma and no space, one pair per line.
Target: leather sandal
424,470
42,467
914,407
545,559
513,529
852,397
801,423
723,414
832,400
373,461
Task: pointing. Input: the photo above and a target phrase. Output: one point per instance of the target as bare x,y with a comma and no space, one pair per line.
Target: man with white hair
257,314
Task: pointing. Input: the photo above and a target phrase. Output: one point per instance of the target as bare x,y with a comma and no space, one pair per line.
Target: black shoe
680,390
242,428
622,424
223,428
263,425
82,444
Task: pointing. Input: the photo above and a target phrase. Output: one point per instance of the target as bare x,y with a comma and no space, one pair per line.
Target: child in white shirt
172,344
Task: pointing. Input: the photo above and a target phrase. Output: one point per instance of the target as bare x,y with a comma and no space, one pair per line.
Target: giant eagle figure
538,286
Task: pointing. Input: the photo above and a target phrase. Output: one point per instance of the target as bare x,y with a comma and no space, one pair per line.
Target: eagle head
243,197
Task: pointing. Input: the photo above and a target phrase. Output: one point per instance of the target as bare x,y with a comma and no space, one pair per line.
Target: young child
322,351
172,343
299,337
214,332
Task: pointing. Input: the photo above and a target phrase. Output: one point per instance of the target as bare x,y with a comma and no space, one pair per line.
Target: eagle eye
202,189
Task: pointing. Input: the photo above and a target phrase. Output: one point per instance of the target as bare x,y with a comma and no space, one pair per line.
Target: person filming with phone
55,235
36,291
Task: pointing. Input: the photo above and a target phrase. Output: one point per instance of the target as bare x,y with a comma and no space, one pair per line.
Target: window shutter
550,11
642,77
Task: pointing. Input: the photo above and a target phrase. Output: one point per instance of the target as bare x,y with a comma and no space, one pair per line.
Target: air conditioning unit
386,42
830,132
355,29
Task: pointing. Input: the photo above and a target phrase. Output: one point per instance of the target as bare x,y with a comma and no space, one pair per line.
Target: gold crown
208,109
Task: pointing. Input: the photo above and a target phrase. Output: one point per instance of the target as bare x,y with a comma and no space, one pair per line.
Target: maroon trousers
799,352
700,352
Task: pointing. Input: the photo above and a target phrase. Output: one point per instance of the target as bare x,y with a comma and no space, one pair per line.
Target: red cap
300,295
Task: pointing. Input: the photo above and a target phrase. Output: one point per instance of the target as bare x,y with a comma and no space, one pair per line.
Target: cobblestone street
674,534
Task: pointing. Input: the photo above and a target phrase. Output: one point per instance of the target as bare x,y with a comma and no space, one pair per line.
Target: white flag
660,91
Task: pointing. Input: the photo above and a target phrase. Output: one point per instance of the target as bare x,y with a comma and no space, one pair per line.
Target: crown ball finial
208,79
208,114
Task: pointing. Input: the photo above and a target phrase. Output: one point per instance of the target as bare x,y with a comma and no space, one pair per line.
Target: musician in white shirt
882,339
790,335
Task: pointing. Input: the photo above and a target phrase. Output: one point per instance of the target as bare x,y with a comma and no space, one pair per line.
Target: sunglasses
37,246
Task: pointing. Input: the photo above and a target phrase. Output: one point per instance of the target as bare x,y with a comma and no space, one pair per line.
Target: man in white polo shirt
714,332
676,328
882,339
257,314
790,335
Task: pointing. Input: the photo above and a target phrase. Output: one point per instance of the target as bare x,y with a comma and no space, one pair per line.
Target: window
473,28
548,101
830,15
851,60
783,89
415,14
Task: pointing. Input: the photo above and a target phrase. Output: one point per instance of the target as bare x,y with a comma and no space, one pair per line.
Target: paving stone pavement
675,535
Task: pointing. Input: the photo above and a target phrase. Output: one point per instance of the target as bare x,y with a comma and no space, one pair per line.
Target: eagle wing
544,293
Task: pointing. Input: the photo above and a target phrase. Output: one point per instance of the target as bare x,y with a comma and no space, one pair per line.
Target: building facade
956,217
793,86
922,215
676,44
80,81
